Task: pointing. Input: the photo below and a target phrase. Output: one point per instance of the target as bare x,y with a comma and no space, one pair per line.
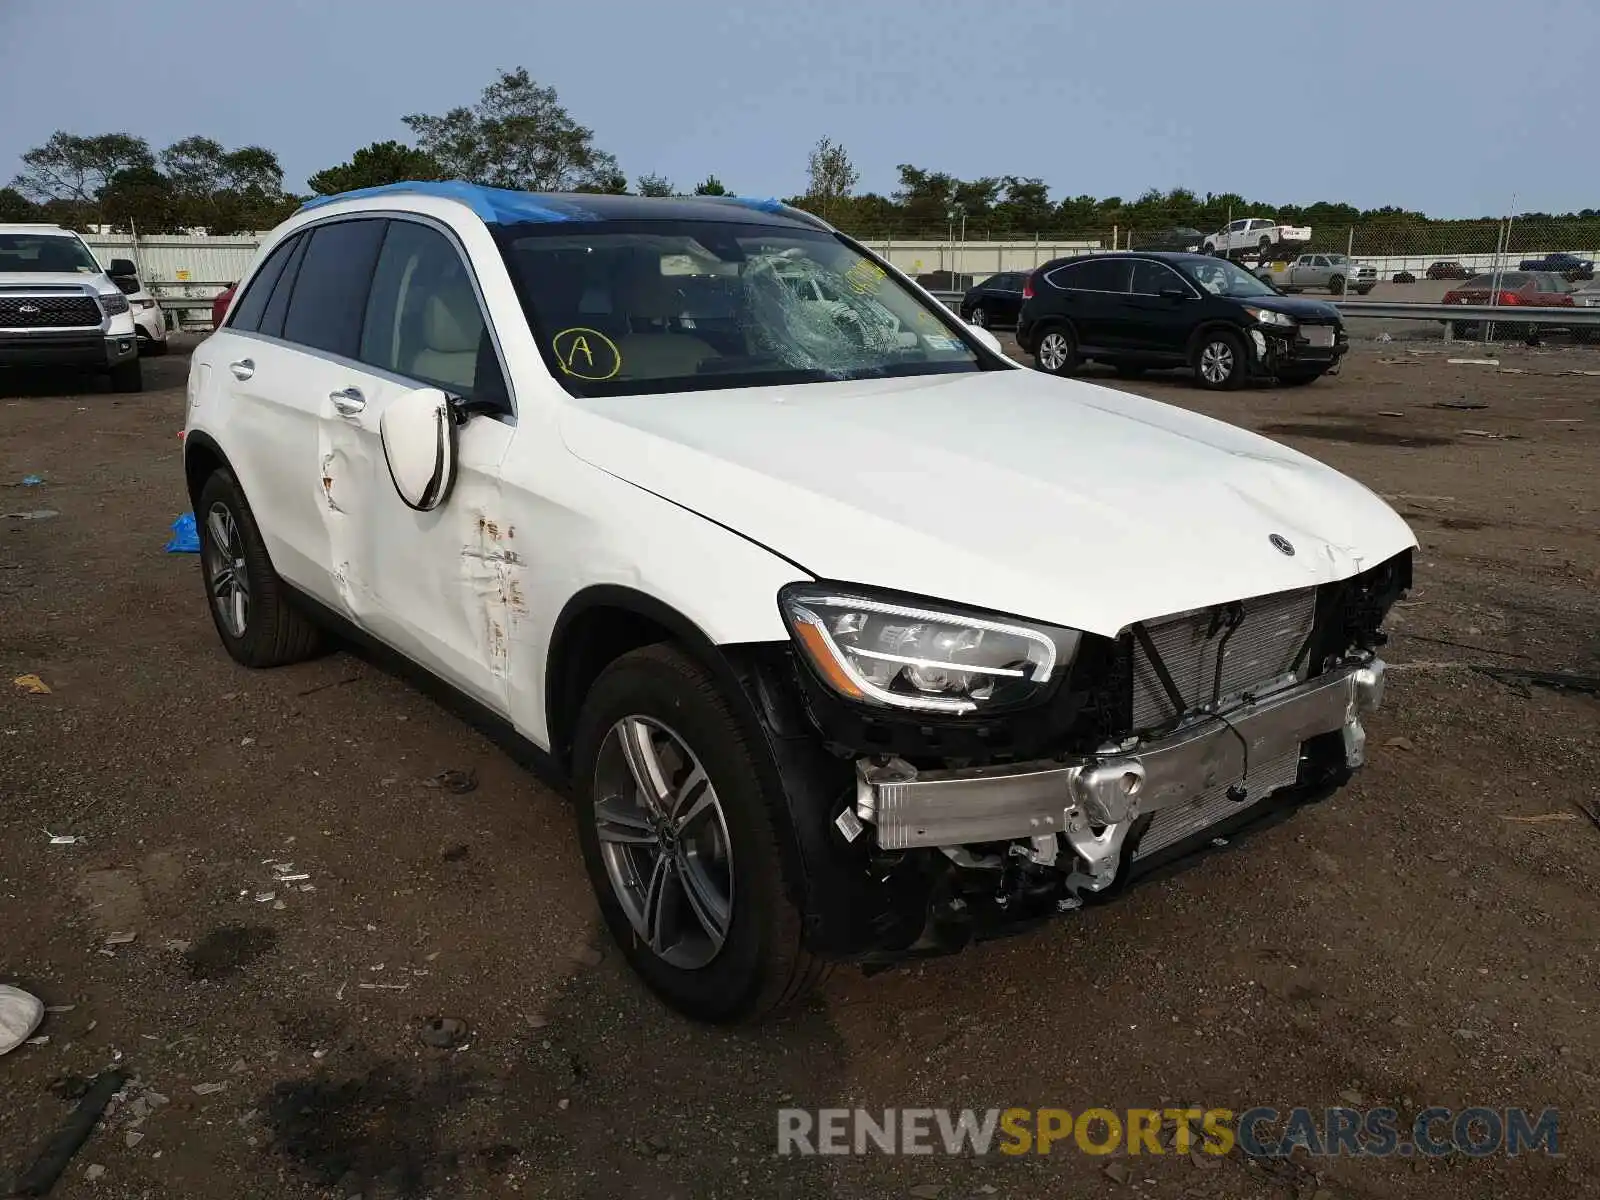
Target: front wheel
1057,352
679,843
1219,361
1336,285
979,317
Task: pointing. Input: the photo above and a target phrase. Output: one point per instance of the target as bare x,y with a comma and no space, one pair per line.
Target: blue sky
1448,107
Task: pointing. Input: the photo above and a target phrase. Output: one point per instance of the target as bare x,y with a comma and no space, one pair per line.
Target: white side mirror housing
418,431
988,339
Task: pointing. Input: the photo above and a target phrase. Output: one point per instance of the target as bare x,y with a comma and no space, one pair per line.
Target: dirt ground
1415,940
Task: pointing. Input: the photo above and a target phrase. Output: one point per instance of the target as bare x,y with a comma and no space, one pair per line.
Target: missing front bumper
1093,801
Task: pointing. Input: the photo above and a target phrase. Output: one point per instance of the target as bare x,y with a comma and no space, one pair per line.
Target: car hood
1295,306
77,280
1005,490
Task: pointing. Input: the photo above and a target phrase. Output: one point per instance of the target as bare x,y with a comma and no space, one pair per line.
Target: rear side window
1093,275
330,292
247,313
278,303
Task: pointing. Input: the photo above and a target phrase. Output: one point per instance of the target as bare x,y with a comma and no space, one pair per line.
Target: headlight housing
931,659
113,303
1266,316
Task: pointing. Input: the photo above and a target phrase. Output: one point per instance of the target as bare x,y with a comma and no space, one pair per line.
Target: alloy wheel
979,318
664,841
1216,362
225,569
1054,351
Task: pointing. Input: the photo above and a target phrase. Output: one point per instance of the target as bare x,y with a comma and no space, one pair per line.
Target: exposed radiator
1257,658
1174,824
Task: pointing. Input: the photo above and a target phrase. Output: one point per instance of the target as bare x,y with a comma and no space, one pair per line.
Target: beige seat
452,327
656,354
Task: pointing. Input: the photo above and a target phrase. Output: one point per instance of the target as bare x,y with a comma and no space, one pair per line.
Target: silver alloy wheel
1216,362
1054,351
664,841
979,317
225,570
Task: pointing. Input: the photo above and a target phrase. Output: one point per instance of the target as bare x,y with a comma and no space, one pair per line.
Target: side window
330,294
424,321
1010,283
1238,226
1319,261
1092,275
1149,278
278,303
993,283
247,313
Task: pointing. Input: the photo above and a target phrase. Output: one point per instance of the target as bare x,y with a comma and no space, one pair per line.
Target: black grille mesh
48,312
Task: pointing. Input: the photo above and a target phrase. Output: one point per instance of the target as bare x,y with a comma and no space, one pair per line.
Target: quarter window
423,319
1092,275
330,294
278,303
247,313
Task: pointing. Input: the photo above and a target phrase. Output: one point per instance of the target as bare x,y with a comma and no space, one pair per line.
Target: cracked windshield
713,305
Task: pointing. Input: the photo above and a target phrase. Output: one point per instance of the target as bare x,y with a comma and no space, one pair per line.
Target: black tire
1057,351
1265,243
1234,358
1208,248
1466,331
979,317
1336,285
275,632
1299,378
127,376
762,964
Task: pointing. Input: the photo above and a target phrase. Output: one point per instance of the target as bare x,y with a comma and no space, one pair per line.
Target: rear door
255,381
1093,291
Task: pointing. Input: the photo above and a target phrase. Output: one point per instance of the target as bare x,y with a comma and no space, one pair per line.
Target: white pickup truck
1336,272
1254,233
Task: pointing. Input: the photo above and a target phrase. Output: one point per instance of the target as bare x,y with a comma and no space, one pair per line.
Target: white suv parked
850,645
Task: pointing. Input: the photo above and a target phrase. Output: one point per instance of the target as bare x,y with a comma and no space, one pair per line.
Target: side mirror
1173,294
988,340
122,267
418,431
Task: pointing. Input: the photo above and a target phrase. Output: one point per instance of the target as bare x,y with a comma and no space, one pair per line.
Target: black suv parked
995,301
1139,310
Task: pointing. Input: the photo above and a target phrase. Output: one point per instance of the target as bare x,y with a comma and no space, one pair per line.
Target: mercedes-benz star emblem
1283,544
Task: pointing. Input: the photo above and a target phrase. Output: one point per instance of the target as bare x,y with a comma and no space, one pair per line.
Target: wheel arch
1214,325
202,457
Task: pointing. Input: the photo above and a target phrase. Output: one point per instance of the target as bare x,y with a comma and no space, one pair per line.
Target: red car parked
1512,289
219,306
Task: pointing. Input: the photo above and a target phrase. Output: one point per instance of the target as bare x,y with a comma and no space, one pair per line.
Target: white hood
1006,490
76,280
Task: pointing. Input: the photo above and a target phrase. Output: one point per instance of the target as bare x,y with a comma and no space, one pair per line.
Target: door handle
349,402
243,369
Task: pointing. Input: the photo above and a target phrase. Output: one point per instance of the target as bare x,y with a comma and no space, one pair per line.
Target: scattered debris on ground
38,1179
32,684
458,782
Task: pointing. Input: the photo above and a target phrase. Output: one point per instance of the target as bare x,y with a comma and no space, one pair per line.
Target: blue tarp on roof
496,206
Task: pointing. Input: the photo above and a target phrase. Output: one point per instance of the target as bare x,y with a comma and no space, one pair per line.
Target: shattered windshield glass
679,306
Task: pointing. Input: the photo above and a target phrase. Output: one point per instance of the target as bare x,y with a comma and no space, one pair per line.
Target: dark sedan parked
995,301
1134,311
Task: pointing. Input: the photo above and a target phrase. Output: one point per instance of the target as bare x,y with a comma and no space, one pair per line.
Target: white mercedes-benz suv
851,639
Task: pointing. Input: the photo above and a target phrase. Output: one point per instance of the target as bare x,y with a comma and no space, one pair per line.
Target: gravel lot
1413,941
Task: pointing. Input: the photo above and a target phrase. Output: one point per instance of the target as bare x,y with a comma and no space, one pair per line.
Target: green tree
710,186
74,169
14,206
518,135
831,177
655,185
142,198
375,165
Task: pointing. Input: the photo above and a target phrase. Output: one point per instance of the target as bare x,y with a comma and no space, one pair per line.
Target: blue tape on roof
495,206
767,206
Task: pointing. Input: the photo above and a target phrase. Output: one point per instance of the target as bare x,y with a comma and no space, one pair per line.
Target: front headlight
1266,316
113,303
143,305
933,660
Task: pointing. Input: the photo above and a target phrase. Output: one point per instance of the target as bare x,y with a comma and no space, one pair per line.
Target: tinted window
1149,278
1093,275
994,282
330,294
278,304
247,313
1509,280
423,319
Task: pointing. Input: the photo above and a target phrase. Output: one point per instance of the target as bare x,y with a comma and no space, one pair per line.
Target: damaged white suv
853,639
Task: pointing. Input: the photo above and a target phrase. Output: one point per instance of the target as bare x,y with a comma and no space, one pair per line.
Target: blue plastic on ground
495,206
32,480
185,537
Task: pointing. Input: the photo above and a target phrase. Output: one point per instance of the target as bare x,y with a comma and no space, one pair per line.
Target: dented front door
437,586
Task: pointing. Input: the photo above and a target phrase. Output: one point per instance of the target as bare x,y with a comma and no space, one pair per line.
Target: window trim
450,235
244,286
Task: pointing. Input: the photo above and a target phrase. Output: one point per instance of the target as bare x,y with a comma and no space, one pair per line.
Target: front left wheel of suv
679,842
1219,360
254,615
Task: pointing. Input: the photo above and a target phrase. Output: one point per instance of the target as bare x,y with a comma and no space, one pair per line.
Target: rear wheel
678,840
1058,351
251,608
1219,361
979,317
